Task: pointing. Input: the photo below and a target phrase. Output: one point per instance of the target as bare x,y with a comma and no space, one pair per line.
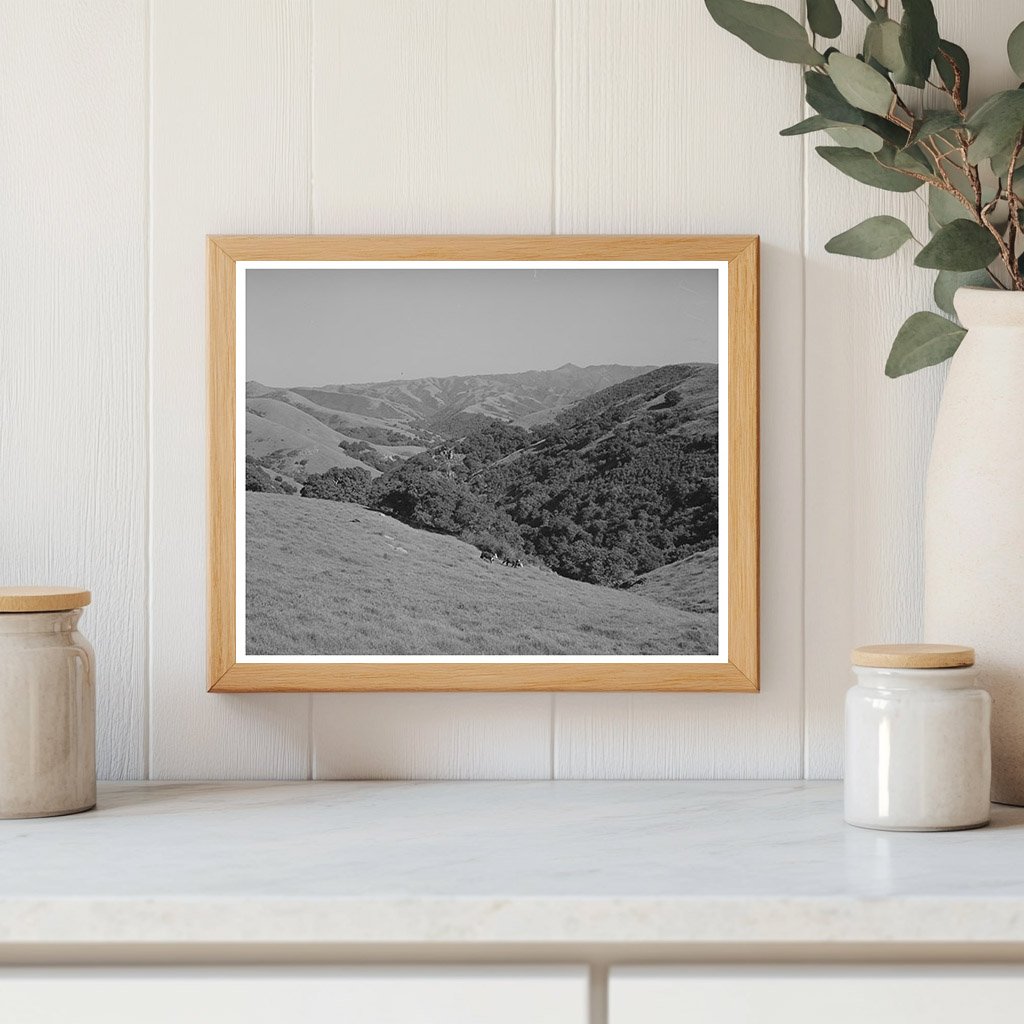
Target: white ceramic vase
974,518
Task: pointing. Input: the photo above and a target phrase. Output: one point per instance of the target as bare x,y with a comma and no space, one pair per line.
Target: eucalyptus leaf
912,159
808,125
926,339
947,282
943,208
766,29
1015,50
853,135
864,167
882,44
962,183
960,245
1001,161
996,125
892,133
907,76
824,18
825,98
872,239
934,122
951,55
856,137
861,86
919,36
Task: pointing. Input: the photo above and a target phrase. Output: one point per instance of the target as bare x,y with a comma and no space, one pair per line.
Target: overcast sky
313,327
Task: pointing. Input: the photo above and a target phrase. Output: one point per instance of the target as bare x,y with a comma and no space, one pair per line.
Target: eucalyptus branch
902,105
956,93
929,147
968,231
949,154
995,279
972,176
1013,203
1004,251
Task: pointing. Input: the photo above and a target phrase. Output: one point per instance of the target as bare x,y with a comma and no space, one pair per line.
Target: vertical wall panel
451,116
230,151
73,332
432,117
667,124
868,437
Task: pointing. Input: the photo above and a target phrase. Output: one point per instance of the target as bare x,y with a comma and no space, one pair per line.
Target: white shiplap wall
132,129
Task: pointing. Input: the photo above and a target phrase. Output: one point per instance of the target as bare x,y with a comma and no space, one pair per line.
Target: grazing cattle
515,563
629,584
488,556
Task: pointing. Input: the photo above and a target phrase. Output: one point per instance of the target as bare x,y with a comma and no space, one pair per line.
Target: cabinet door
294,996
816,995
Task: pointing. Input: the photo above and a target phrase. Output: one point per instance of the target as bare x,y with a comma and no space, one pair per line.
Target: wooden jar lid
42,599
913,656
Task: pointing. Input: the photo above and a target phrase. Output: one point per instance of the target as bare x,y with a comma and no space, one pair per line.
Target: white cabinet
812,995
372,995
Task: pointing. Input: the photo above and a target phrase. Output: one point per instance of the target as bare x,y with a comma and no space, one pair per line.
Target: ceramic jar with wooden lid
47,704
918,749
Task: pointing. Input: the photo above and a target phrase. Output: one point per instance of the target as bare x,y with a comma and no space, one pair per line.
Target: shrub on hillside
492,443
365,452
349,484
259,480
421,495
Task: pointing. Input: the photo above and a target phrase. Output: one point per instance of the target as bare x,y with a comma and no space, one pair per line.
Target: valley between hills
369,506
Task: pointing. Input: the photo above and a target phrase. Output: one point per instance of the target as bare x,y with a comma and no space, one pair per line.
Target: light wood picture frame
734,669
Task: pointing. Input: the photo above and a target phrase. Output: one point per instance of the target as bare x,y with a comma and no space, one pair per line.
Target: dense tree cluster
349,484
421,494
635,501
258,478
450,425
492,443
365,452
621,483
378,435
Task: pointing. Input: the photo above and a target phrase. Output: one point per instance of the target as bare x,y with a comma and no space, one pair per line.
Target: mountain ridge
511,374
527,398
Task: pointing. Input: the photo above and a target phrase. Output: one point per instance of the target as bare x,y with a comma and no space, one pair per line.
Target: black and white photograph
482,461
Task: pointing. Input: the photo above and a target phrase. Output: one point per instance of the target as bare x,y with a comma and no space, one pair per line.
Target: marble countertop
500,862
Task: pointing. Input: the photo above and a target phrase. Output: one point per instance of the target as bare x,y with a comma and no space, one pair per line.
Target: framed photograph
483,463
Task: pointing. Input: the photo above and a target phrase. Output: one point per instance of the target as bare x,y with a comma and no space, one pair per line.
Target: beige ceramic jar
47,704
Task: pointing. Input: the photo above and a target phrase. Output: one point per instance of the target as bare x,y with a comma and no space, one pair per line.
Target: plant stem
1013,203
999,284
954,93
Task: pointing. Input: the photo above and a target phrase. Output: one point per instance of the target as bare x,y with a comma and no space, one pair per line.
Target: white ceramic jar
47,704
918,749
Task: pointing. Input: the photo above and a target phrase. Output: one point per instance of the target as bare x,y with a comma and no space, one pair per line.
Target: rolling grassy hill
312,429
326,577
294,419
534,396
690,584
350,422
291,452
329,442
